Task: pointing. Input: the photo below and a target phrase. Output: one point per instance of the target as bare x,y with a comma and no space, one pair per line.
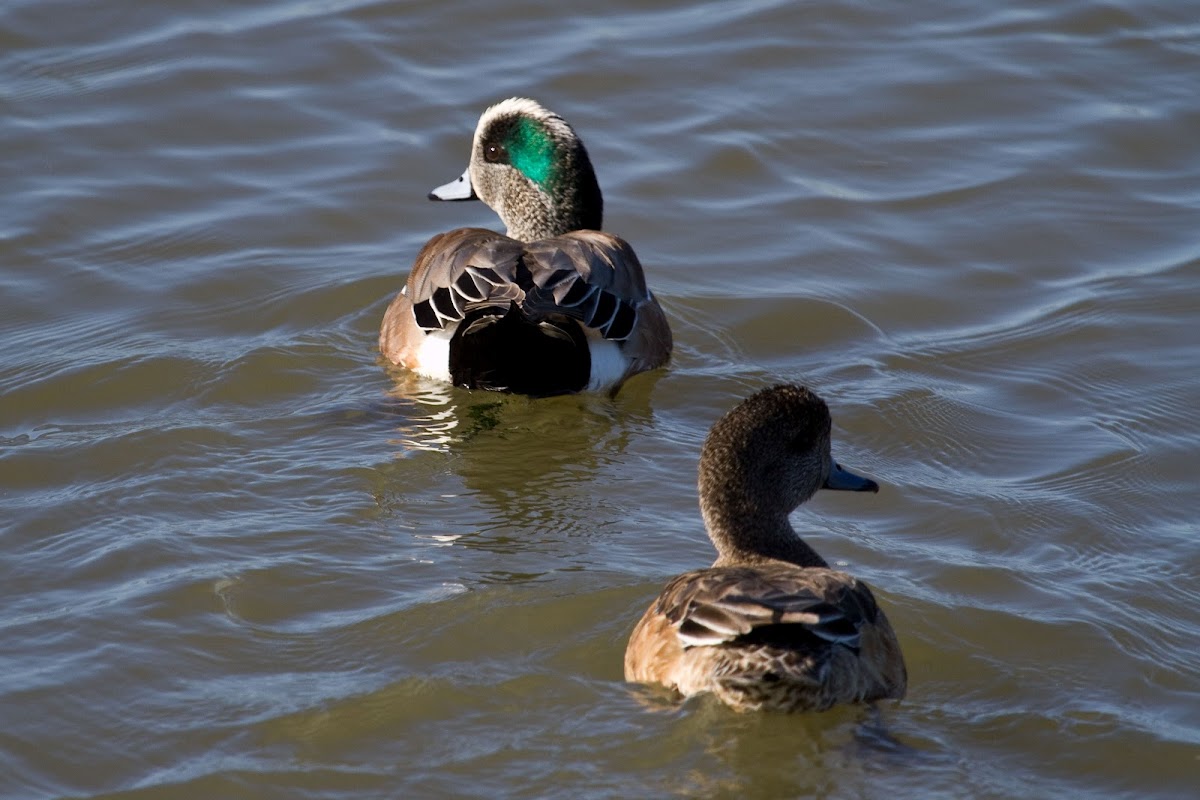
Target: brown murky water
238,558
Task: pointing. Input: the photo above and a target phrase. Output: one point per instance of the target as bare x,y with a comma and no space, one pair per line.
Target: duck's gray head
765,457
530,167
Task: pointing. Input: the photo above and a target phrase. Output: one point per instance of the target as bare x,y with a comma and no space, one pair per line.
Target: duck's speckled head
524,135
530,167
761,460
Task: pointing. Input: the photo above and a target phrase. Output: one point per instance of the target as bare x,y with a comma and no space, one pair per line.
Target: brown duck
769,625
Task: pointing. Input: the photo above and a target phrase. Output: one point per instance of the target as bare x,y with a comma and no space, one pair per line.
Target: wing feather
717,606
461,270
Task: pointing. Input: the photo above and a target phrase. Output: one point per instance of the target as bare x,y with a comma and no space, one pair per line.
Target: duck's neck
528,221
744,532
563,204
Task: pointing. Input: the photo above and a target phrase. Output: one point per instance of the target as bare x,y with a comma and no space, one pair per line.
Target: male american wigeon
769,625
557,305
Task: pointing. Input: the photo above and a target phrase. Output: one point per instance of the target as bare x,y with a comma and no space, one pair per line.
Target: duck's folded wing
765,637
590,276
719,606
462,270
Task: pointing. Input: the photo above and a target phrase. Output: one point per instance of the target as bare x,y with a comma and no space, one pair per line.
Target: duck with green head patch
554,306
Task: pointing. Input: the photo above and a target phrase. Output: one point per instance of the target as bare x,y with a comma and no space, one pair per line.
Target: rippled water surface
240,558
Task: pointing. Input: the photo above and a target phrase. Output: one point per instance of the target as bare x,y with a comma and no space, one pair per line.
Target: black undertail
798,638
509,352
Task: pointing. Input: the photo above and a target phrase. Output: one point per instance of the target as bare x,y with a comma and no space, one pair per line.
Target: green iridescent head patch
531,150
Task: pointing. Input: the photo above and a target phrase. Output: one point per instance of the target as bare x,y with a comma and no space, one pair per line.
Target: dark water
239,558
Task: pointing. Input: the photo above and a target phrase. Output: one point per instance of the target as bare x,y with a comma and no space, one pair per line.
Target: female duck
769,625
555,306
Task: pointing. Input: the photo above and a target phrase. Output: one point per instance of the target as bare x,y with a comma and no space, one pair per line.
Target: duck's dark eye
493,153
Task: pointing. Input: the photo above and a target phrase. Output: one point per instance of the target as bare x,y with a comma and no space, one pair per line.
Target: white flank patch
433,356
608,364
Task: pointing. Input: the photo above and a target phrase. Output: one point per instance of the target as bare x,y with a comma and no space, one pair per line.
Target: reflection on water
430,419
523,471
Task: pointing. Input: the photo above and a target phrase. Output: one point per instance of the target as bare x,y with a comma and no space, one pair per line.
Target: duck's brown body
780,638
550,316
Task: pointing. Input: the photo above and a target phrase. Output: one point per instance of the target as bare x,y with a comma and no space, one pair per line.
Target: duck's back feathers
609,277
577,292
776,636
462,270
